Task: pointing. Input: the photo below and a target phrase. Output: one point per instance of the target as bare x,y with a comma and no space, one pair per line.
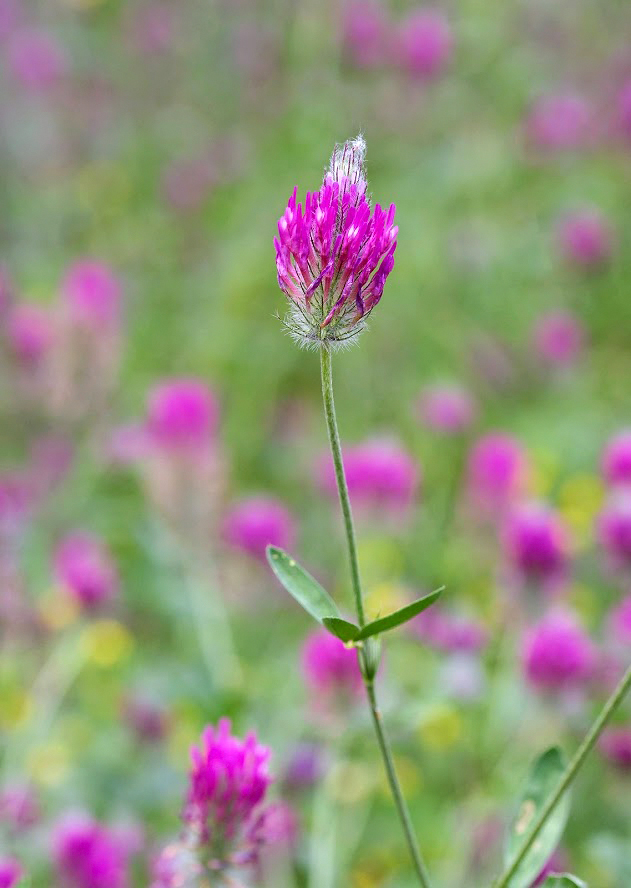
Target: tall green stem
342,488
567,777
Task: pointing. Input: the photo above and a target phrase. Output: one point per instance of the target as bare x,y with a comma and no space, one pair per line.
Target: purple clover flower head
176,866
585,238
424,44
10,872
19,807
152,29
558,339
257,522
148,720
447,409
450,633
614,528
305,767
182,417
36,61
496,472
87,855
30,333
365,33
85,568
227,786
379,474
558,655
559,122
329,667
536,543
93,294
334,255
616,459
620,622
615,745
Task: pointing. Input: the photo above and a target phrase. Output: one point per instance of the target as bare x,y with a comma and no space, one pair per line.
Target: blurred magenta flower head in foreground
450,633
257,522
36,60
558,339
379,473
559,122
624,110
30,333
616,459
228,782
585,238
424,44
93,294
448,409
496,472
333,256
85,568
10,872
365,33
558,655
620,622
536,543
87,855
330,668
614,528
615,745
182,417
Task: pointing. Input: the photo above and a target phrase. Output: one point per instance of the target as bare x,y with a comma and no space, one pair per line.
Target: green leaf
301,585
544,777
342,629
398,617
564,880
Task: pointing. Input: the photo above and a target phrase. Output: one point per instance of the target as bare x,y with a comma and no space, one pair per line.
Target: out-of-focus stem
342,488
567,777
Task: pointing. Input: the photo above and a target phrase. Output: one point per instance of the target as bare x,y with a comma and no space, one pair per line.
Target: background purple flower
585,238
614,528
424,43
557,654
257,522
86,569
36,60
93,294
559,122
558,338
30,333
329,667
616,459
496,471
10,872
536,542
182,416
448,409
365,33
379,473
86,855
615,745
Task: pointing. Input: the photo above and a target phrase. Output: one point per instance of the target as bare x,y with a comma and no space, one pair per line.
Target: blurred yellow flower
580,499
48,763
384,598
441,726
16,707
350,782
410,778
106,642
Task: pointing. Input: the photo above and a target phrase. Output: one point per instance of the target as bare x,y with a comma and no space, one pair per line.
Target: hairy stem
567,777
342,488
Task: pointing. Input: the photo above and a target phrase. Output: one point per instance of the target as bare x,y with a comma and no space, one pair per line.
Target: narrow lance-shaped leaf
383,624
564,880
543,779
301,585
342,629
